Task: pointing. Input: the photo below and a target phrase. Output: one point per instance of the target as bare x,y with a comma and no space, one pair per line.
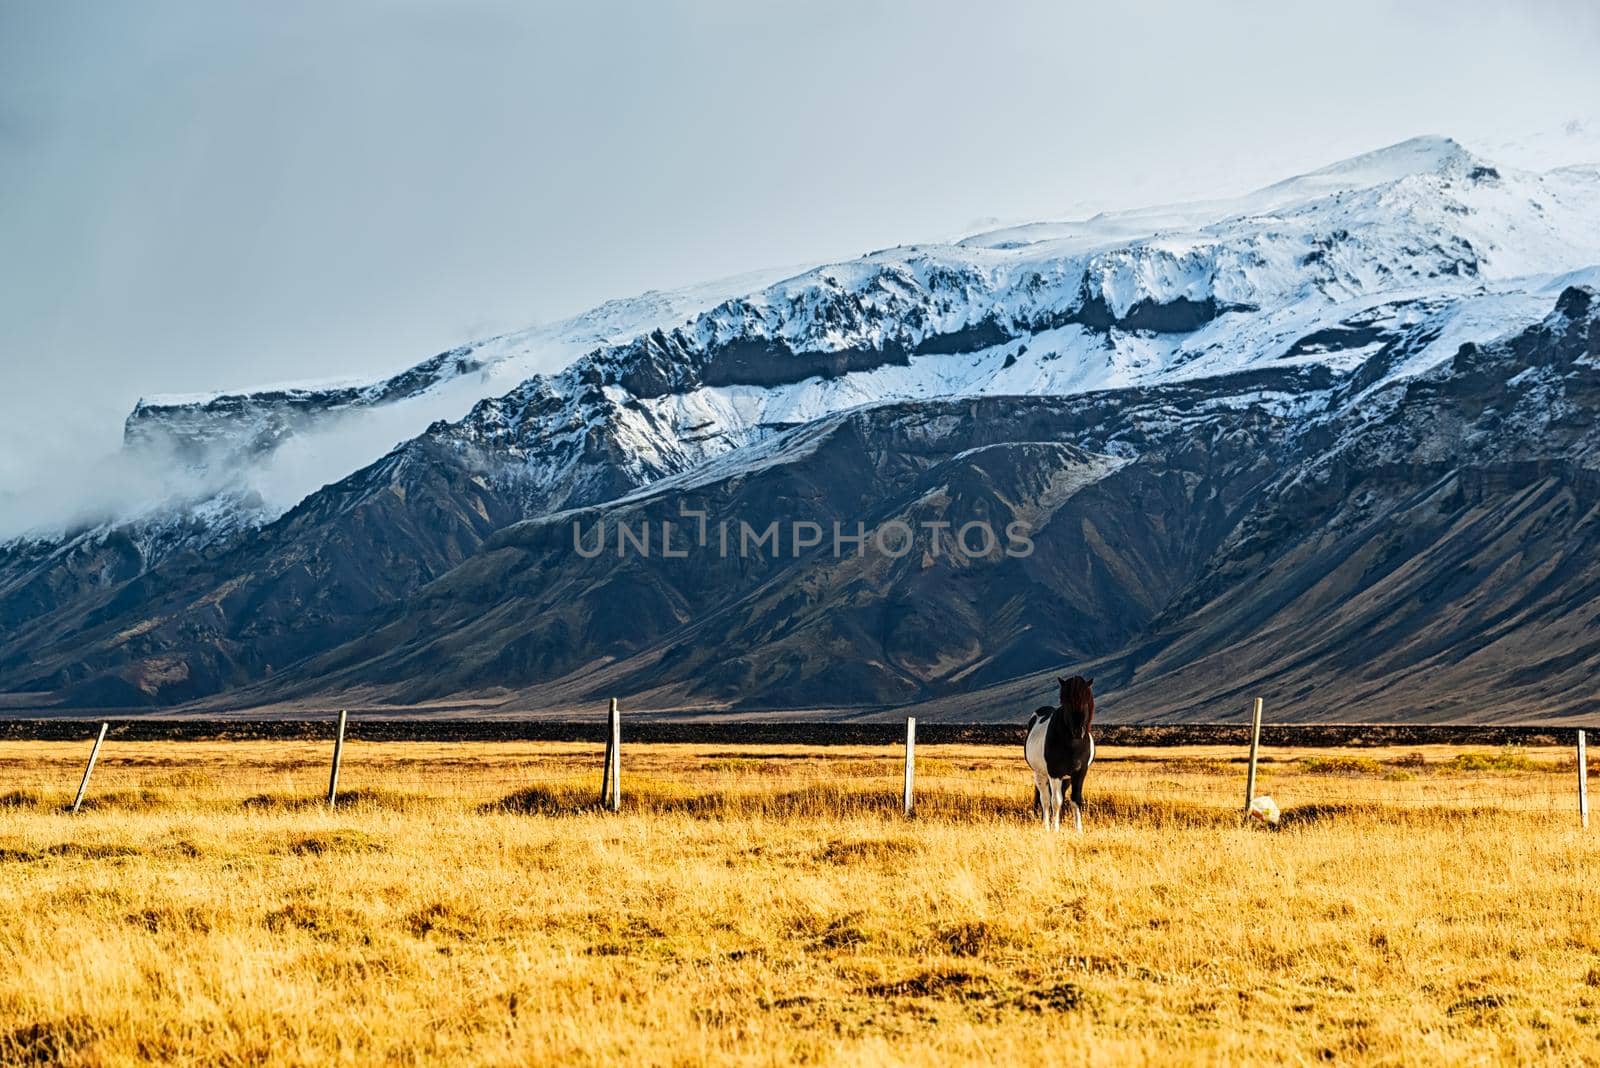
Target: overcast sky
209,195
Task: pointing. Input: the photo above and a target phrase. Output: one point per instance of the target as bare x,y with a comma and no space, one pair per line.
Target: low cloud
50,491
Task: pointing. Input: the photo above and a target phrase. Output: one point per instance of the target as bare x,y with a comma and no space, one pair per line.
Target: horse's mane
1077,701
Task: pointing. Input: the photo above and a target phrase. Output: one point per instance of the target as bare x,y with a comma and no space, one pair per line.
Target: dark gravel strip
786,732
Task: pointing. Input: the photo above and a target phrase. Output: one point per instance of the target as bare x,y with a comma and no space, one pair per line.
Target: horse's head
1077,702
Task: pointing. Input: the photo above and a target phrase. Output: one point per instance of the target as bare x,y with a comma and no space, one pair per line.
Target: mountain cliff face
1056,569
1432,556
1220,426
1404,551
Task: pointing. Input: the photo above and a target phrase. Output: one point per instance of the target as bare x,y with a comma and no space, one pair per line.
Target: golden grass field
466,904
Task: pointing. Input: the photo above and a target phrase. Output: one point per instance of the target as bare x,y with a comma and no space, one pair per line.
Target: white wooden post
94,754
615,763
911,764
1255,746
338,755
1583,780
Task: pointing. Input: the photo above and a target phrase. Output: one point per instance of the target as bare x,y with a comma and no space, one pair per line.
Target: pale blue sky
206,195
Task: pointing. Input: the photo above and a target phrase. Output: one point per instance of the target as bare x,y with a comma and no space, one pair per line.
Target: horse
1060,746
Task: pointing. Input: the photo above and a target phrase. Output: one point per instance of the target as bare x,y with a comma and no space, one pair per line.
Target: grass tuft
1511,758
346,840
45,1042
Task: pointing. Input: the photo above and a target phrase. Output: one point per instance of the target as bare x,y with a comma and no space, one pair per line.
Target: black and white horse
1060,746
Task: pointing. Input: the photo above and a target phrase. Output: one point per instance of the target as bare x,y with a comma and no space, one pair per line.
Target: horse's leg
1041,787
1077,800
1056,789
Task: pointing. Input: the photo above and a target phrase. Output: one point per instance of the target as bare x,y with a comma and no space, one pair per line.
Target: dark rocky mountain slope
1352,541
1421,548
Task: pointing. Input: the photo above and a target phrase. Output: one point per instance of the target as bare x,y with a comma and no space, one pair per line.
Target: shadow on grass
46,1041
545,801
833,800
347,799
666,798
346,840
842,800
1327,812
140,800
1331,812
776,800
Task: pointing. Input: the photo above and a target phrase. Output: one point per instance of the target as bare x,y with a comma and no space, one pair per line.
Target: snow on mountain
1575,142
1408,252
1416,156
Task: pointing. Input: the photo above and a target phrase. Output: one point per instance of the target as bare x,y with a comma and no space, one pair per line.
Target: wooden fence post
1583,780
1255,746
94,754
338,754
911,764
614,763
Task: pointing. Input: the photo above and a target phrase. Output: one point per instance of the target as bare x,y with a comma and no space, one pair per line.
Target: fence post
338,754
1255,746
94,754
911,763
1583,780
614,763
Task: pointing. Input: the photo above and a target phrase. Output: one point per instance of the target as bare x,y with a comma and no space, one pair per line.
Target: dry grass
769,905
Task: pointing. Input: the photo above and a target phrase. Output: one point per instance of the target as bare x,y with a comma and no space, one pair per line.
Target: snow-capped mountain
1411,251
1355,550
305,514
258,453
1420,246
